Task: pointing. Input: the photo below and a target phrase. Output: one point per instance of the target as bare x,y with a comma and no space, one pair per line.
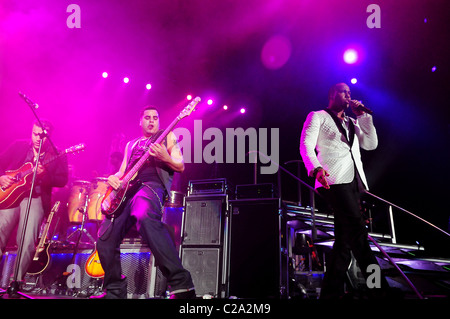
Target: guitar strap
134,142
165,176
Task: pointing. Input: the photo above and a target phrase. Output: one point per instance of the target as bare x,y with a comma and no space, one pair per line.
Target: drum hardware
82,230
174,199
77,206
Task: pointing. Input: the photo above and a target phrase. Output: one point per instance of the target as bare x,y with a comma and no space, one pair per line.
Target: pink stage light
210,102
105,75
350,56
354,80
242,110
225,107
189,97
148,86
126,80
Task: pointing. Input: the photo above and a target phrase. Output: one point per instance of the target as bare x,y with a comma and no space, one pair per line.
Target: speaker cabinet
203,220
254,249
204,264
204,242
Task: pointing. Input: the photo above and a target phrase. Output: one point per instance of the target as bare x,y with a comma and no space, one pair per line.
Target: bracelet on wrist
316,170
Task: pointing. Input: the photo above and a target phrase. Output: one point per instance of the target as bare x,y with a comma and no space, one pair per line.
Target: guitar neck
146,155
51,159
77,148
47,226
46,162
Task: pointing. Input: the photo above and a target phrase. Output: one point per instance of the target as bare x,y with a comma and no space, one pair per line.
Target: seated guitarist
145,208
54,174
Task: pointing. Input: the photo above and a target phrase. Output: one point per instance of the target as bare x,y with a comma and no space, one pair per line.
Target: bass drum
76,205
98,189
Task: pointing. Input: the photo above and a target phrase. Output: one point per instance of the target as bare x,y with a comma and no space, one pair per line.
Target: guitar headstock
189,108
75,149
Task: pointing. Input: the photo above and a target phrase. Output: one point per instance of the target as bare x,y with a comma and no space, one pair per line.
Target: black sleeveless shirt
148,172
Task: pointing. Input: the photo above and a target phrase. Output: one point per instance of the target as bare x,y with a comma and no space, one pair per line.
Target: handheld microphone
362,107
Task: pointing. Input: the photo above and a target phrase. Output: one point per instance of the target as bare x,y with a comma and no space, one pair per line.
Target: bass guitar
41,257
114,198
9,196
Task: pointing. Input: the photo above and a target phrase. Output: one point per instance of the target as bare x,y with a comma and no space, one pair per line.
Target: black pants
350,235
144,209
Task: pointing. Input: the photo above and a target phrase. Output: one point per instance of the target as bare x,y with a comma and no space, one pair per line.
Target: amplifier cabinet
204,243
255,249
205,266
253,191
208,186
204,219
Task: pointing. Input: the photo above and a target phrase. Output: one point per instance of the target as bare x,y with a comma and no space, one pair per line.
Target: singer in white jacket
330,148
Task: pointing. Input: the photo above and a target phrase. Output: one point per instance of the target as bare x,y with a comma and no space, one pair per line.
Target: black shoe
110,294
99,296
184,295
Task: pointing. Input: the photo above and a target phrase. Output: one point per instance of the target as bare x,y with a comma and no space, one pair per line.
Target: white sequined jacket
323,145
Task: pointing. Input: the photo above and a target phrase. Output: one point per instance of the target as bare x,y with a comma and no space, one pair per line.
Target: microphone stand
33,107
14,288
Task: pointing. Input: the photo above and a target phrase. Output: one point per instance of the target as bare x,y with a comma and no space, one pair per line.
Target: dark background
214,49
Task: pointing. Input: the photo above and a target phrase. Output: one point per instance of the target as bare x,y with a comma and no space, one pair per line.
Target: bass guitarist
54,174
145,208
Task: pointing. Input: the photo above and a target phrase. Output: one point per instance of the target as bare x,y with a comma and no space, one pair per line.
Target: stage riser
136,266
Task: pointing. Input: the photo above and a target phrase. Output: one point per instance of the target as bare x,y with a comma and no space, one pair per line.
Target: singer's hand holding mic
358,108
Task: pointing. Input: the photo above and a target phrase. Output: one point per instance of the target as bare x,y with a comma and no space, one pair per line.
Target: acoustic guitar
10,196
41,257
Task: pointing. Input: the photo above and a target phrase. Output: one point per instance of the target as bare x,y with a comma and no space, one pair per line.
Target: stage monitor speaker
203,220
204,264
136,266
254,250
